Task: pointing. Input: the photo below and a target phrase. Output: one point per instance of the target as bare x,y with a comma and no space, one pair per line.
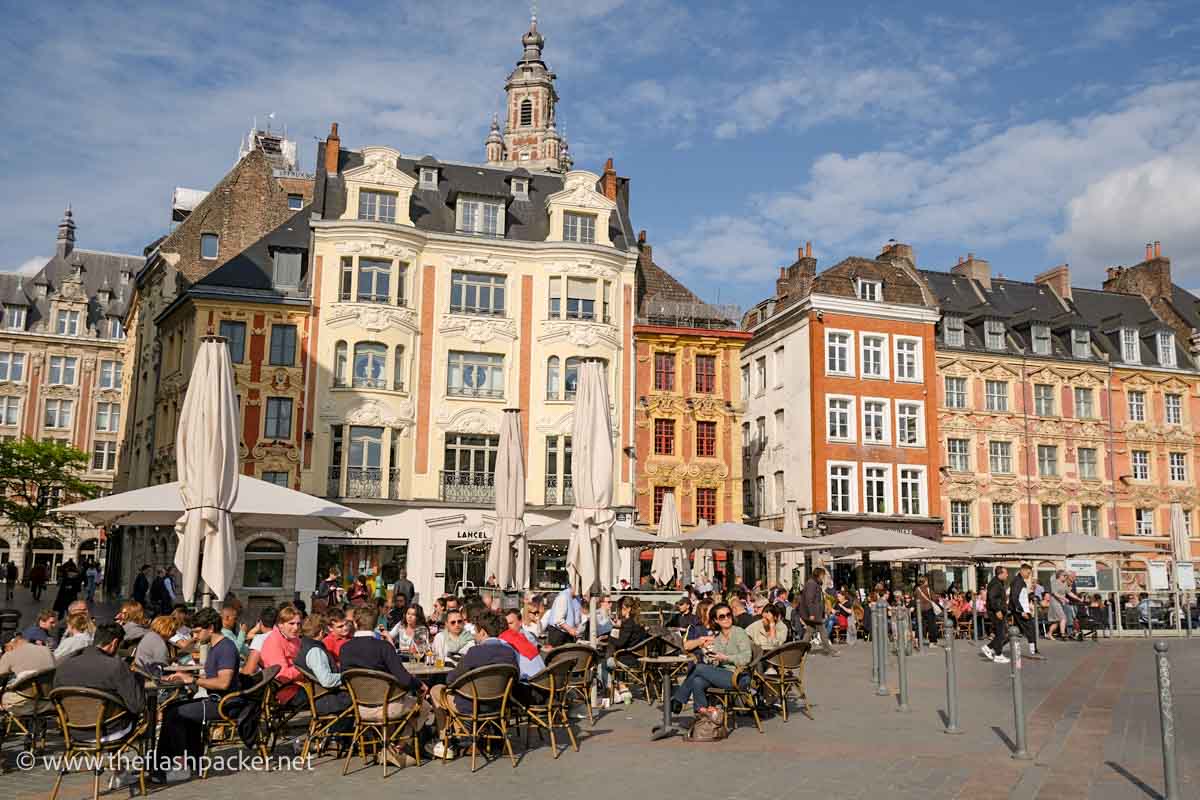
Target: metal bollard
1166,716
1150,622
874,643
902,662
881,688
974,622
1014,645
1189,615
1110,621
920,627
951,680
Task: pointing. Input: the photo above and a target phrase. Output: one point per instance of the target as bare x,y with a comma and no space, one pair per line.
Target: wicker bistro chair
10,623
225,726
781,672
95,723
654,672
382,709
545,706
636,674
279,715
739,699
488,690
320,726
30,723
583,674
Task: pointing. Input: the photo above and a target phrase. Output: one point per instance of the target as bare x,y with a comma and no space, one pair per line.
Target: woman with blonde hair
132,617
78,635
154,648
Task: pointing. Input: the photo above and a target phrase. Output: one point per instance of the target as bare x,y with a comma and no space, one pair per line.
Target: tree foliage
35,478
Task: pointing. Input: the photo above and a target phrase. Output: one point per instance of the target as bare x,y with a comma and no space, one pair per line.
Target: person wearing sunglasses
728,649
454,640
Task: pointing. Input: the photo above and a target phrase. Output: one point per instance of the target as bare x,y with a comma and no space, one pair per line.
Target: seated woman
77,636
280,649
768,632
154,649
630,633
724,652
410,636
132,618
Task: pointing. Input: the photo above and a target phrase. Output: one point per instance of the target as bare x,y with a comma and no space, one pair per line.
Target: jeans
700,679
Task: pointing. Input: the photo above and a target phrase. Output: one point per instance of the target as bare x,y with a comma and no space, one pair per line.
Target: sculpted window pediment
1136,382
371,317
379,169
1001,372
579,191
377,248
479,331
481,263
471,420
580,334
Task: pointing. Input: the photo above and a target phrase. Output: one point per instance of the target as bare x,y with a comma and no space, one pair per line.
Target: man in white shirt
454,640
563,619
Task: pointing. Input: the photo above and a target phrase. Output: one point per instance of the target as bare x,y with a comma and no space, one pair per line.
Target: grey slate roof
99,269
251,272
434,211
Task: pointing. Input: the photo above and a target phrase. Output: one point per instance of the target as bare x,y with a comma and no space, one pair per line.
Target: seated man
529,658
489,649
341,629
20,660
316,659
97,667
180,735
451,643
42,631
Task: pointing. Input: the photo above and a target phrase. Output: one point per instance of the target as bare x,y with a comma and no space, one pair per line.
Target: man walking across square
997,606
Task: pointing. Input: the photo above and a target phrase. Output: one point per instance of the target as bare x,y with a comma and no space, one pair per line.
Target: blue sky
1031,134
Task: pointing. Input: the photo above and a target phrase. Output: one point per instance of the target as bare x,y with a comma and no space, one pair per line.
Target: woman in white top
411,634
78,635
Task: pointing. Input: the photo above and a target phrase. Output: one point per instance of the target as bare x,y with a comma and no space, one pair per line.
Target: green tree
35,478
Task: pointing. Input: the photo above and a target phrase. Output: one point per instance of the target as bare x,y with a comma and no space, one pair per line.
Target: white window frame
882,341
920,406
429,178
745,382
888,490
63,415
963,395
865,287
849,353
852,478
66,322
108,417
885,419
65,365
918,375
922,489
760,376
1135,404
1085,391
954,331
780,360
1004,520
1040,340
520,188
851,415
1166,349
1039,409
1177,467
14,318
1093,527
471,215
113,379
987,396
579,227
963,458
960,523
993,328
1131,346
379,205
1143,521
13,367
1081,343
1139,465
1173,409
1049,449
10,411
1057,518
994,457
1092,474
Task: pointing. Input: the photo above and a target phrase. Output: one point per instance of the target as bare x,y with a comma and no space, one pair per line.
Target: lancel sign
481,534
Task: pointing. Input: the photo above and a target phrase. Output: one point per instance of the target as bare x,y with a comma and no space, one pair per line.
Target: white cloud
716,248
1117,22
29,266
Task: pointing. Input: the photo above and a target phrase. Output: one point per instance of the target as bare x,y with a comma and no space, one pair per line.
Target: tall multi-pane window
12,367
1051,515
1081,343
1047,458
14,318
475,375
110,374
664,372
1084,408
706,374
1041,339
62,370
579,227
748,509
283,345
1089,520
1178,467
235,339
370,365
1131,351
760,494
873,358
1002,519
958,454
746,442
1143,521
875,421
780,429
1166,349
746,382
108,417
956,392
839,416
1140,462
760,375
480,217
760,432
1137,406
1043,400
706,504
279,418
841,496
837,353
559,470
911,502
996,395
10,410
876,488
960,518
1000,458
994,334
780,491
664,437
58,413
374,281
67,323
908,423
376,206
1173,409
477,293
660,494
779,367
908,359
470,457
1088,463
953,331
104,456
706,438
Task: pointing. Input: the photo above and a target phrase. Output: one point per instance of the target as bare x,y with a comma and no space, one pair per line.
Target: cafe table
667,665
428,670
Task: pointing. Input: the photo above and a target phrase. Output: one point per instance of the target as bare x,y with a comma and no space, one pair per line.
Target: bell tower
530,139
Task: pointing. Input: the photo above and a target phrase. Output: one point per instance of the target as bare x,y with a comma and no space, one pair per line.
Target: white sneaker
177,775
987,653
1001,659
440,750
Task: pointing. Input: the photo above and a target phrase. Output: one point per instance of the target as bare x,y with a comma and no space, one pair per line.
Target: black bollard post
1166,716
952,726
974,622
920,626
875,644
902,662
1014,645
881,688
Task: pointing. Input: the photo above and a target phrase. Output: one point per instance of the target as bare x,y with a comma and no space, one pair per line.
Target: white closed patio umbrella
206,456
663,567
1180,551
703,567
508,555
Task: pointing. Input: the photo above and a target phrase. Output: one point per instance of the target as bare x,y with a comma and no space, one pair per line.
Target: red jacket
333,645
278,650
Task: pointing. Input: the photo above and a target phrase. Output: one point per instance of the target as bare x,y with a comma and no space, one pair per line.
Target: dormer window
1166,349
579,228
116,329
1081,343
429,178
953,331
1131,352
286,269
520,188
870,290
480,217
377,206
67,323
209,245
1041,339
14,318
994,331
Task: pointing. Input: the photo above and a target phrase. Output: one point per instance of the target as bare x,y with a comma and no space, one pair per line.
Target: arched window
572,377
339,364
526,112
398,369
370,365
264,564
552,378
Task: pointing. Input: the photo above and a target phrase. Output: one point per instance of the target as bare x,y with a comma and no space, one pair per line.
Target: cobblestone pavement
1093,729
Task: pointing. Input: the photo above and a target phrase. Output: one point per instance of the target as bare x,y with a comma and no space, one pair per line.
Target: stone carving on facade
580,334
1140,431
376,247
471,420
561,425
61,392
1148,496
277,452
373,413
581,269
373,318
480,263
479,330
379,167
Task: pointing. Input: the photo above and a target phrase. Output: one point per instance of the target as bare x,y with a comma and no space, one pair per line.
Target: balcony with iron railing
360,482
476,311
394,484
465,486
481,392
552,493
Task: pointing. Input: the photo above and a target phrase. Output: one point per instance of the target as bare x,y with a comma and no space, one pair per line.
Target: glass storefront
378,560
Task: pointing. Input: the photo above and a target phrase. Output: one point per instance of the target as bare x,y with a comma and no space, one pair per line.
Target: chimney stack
333,146
975,268
645,251
1149,251
894,249
1057,278
1157,249
808,249
609,181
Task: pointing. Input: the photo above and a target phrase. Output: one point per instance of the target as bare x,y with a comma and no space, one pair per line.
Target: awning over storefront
925,527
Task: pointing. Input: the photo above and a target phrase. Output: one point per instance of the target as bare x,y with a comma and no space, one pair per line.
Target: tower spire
66,234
